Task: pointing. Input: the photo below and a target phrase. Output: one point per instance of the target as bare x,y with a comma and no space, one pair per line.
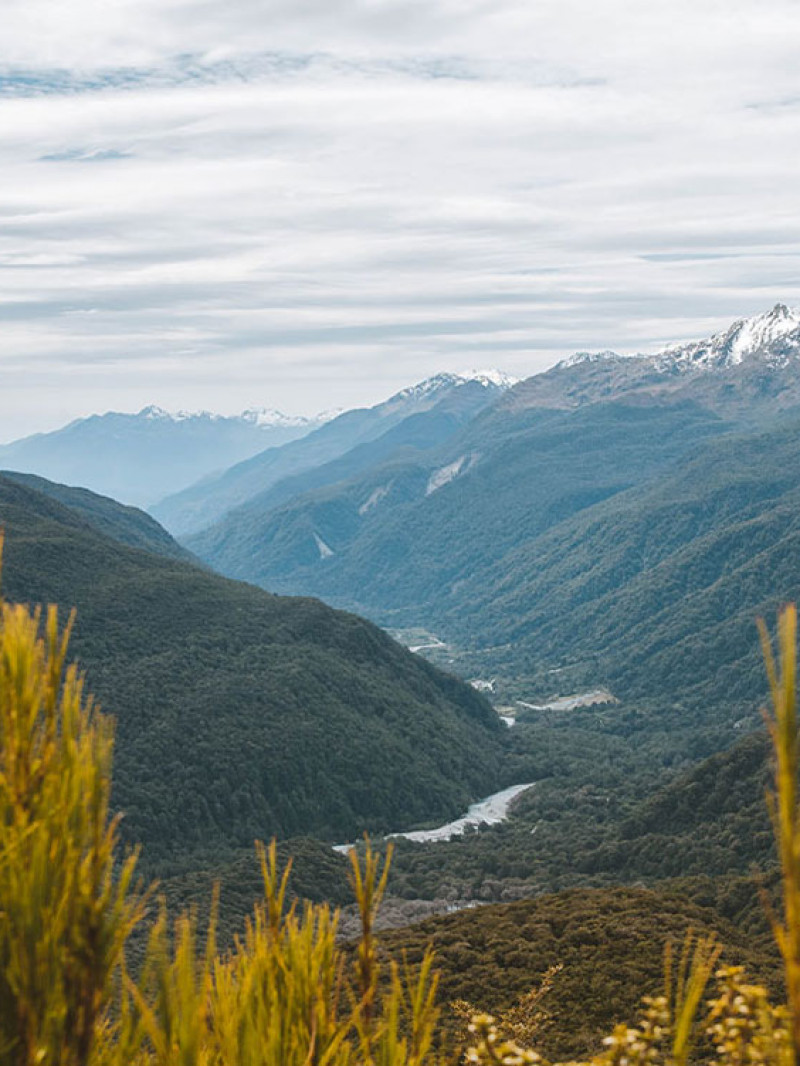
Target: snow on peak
268,416
261,417
582,358
489,379
773,335
153,412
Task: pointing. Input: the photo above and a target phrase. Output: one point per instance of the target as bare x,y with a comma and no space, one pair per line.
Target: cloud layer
308,203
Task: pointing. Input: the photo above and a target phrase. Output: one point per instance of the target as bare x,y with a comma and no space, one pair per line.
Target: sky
308,204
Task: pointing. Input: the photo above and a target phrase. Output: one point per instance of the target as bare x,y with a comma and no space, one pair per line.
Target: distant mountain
205,503
138,458
239,714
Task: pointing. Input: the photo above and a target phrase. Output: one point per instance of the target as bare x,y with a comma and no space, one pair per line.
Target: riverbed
487,811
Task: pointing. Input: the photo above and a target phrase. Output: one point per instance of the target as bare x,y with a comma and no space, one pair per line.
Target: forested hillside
402,444
609,812
449,515
609,946
662,584
456,397
240,714
630,545
128,525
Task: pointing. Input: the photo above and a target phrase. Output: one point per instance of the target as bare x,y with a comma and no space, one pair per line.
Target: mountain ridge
242,715
202,504
750,367
138,458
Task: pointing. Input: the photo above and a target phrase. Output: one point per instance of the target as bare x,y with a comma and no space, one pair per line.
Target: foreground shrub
66,912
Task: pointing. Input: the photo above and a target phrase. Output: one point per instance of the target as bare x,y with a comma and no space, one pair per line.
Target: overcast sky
311,203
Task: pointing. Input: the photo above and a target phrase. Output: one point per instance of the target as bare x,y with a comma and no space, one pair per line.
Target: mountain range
614,510
138,458
447,401
612,525
746,370
616,521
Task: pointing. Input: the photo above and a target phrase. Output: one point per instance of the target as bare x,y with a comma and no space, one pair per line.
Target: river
487,811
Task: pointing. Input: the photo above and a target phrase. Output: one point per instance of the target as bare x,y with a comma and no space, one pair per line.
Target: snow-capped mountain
773,337
583,358
268,416
138,458
752,366
254,416
488,379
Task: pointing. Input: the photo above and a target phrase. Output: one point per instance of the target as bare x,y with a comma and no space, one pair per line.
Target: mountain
661,584
746,371
459,395
772,338
141,457
636,531
239,714
406,537
120,522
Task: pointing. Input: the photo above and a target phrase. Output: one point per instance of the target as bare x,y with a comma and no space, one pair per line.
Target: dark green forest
242,715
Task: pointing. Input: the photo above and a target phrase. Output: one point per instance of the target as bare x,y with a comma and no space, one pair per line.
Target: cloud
307,203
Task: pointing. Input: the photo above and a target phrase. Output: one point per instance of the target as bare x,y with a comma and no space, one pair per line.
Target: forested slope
120,522
240,714
642,540
609,943
661,585
405,537
613,813
202,504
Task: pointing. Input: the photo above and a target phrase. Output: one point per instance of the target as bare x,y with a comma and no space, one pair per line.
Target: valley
558,687
399,533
